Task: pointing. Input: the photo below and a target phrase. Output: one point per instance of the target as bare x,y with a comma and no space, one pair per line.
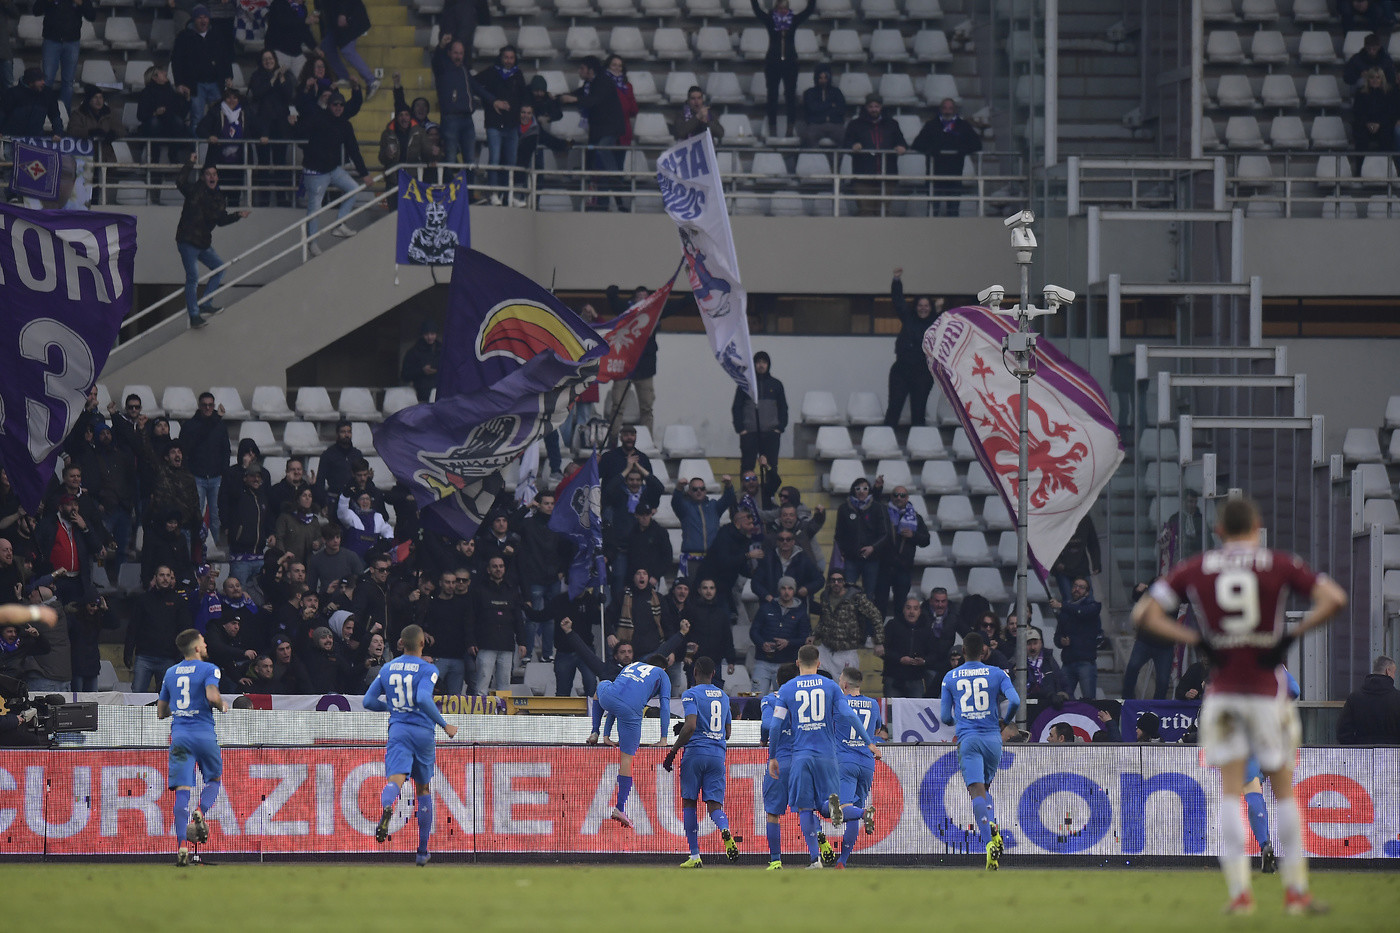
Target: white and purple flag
66,281
1074,447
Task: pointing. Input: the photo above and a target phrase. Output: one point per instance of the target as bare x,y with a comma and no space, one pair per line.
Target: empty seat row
1277,90
269,403
1269,47
1327,131
704,9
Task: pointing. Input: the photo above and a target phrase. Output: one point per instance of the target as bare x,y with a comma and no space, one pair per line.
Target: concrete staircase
394,44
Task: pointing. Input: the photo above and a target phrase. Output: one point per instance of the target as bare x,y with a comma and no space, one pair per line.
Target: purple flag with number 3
66,277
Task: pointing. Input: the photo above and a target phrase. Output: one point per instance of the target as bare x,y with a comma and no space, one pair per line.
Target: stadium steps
395,43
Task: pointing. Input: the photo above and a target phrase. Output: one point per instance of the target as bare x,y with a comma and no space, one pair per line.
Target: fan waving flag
36,172
66,278
578,517
628,333
688,174
1073,441
514,358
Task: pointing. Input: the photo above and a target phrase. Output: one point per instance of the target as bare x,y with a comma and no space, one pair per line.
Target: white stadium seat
864,408
834,443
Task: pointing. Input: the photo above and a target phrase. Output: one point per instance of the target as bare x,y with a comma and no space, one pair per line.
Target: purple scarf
904,518
507,73
620,80
782,20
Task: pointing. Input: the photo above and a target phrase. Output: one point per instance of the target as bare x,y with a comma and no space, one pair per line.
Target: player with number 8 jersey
404,687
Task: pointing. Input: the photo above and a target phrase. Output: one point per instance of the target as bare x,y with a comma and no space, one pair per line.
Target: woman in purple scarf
780,65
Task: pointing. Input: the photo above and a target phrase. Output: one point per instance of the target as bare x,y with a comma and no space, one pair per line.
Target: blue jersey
405,688
710,707
853,747
183,688
776,733
637,683
972,694
816,708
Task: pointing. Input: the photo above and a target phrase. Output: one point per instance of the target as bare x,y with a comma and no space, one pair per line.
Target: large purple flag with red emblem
65,286
514,359
1074,445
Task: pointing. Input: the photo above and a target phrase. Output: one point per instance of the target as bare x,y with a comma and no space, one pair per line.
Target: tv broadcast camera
53,714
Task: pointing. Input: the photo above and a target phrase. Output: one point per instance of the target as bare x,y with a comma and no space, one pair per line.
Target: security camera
1020,219
991,297
1056,296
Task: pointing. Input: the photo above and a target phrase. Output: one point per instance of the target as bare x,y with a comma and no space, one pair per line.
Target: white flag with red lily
1073,442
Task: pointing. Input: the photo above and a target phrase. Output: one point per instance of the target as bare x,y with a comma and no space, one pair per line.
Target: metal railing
1314,184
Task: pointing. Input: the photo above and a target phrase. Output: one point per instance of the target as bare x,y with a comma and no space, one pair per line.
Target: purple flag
578,517
515,359
36,172
66,278
434,221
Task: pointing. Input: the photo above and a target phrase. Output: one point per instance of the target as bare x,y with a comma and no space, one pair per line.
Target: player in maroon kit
1239,592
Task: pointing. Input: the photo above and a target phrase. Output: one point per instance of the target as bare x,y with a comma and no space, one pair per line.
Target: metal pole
1023,373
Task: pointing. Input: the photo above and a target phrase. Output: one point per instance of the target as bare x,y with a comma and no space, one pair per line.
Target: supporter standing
617,71
289,36
696,117
876,142
205,208
199,64
454,90
862,535
760,423
344,23
330,140
62,32
909,376
780,63
843,620
600,103
163,112
700,517
9,17
501,87
271,91
1077,632
157,616
948,139
205,439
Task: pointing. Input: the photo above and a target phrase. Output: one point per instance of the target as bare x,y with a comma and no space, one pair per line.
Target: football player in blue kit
857,767
817,708
404,687
972,694
627,698
189,694
705,738
1254,798
776,735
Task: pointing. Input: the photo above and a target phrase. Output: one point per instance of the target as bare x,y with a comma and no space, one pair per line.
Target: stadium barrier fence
552,802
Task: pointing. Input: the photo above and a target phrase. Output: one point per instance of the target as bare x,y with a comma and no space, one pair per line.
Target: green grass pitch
286,898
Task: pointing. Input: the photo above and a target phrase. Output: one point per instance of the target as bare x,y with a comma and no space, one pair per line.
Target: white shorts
1234,727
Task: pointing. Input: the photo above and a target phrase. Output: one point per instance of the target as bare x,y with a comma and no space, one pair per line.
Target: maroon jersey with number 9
1239,593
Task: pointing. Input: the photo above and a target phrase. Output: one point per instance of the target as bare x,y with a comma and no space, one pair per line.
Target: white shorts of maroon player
1235,726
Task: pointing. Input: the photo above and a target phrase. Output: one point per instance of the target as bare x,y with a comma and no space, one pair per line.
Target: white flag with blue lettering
691,189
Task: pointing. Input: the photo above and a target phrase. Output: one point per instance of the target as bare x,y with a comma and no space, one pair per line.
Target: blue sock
852,812
981,813
182,813
624,787
719,819
848,841
807,819
1258,817
210,795
597,712
692,830
425,821
775,842
389,794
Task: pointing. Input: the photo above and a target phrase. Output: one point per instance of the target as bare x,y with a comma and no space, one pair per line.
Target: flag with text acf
1073,442
578,517
66,278
433,221
513,360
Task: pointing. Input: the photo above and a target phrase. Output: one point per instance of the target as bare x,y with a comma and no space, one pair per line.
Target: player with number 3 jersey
972,695
404,687
1239,592
189,694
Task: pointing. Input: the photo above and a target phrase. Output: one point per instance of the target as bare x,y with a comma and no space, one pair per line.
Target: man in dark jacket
25,107
710,633
1077,635
909,653
420,363
229,649
200,64
597,98
647,544
205,208
205,439
500,627
785,559
542,557
446,618
334,473
116,471
1042,673
760,423
63,31
823,109
863,536
779,629
908,533
637,616
157,616
622,497
732,555
1371,715
575,645
454,88
249,526
949,139
502,90
870,133
909,376
618,460
330,140
343,22
9,18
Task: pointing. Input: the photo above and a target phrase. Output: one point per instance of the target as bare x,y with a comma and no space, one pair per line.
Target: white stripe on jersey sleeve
1165,596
